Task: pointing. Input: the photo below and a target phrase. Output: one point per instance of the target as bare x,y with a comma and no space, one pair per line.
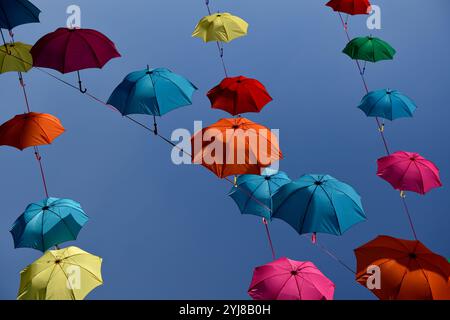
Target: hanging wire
380,125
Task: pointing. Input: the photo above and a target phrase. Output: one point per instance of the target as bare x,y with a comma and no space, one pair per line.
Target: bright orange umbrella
235,146
407,270
29,130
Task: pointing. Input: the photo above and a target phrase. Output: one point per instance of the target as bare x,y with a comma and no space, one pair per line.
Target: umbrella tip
45,208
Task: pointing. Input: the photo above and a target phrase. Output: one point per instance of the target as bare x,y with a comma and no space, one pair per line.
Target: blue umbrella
318,203
17,12
152,91
48,223
387,104
253,193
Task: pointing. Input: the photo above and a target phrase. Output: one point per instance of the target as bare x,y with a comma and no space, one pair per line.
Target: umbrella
153,92
15,57
286,279
409,171
369,49
222,27
17,12
352,7
30,129
253,191
318,203
68,50
235,146
239,95
387,104
407,270
65,274
48,223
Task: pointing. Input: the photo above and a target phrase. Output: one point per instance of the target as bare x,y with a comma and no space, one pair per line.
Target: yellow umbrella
65,274
15,57
220,27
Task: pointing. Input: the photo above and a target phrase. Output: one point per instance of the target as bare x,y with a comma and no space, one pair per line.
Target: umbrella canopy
153,92
68,50
239,95
352,7
409,171
29,130
48,223
235,146
286,279
318,203
254,191
66,274
369,49
222,27
14,13
15,57
387,104
408,270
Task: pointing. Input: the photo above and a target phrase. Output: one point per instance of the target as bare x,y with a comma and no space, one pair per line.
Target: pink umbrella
286,279
409,171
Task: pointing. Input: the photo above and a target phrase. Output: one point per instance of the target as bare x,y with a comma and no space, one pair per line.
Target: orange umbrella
29,130
235,146
407,270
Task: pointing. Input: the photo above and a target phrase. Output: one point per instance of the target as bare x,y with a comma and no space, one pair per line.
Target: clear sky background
171,232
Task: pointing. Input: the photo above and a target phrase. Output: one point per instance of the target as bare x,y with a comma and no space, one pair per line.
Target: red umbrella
235,146
68,50
409,171
239,95
350,6
407,270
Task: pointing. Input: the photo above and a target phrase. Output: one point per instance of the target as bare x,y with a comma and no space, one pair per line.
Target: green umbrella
369,49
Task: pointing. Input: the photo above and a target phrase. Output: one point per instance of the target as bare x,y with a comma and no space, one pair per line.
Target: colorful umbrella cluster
314,203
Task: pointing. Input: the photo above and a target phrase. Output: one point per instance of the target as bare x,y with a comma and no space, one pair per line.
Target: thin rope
334,257
379,124
266,224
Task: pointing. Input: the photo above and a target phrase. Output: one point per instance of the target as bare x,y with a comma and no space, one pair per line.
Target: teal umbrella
48,223
253,193
318,203
387,104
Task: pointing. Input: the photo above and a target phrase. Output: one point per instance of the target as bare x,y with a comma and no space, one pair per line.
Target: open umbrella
251,191
409,171
65,274
29,130
318,203
352,7
286,279
235,146
407,270
152,91
48,223
17,12
239,95
15,57
370,49
222,27
387,104
68,50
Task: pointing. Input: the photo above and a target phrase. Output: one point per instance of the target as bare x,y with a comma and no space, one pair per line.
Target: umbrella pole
80,86
408,214
266,225
155,126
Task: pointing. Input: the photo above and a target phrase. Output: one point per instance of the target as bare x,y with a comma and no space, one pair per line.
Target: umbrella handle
80,86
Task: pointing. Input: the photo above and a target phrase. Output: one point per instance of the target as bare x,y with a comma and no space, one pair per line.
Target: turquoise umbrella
318,203
153,92
48,223
253,193
387,104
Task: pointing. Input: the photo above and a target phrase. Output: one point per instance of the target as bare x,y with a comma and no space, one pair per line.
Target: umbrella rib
74,264
68,281
375,104
62,219
64,56
49,279
282,287
80,35
252,196
42,129
405,172
307,209
427,166
332,205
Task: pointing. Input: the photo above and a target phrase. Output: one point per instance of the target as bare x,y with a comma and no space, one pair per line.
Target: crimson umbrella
352,7
68,50
239,95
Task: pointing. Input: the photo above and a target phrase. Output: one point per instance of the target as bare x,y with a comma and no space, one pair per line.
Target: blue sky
171,232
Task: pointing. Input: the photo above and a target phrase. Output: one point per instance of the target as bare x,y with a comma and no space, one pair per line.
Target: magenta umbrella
286,279
68,50
409,171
